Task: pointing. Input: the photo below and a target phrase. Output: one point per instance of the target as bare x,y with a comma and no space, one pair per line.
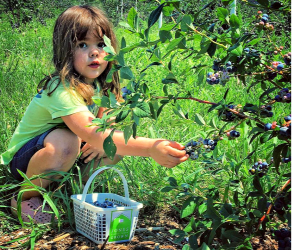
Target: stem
186,98
271,205
211,103
202,34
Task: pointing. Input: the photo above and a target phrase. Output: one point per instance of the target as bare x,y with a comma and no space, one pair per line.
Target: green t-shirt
43,113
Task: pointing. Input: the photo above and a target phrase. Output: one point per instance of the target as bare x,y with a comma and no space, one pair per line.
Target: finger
175,152
90,157
175,144
84,148
175,160
85,154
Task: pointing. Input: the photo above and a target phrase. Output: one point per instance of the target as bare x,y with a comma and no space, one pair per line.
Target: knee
64,150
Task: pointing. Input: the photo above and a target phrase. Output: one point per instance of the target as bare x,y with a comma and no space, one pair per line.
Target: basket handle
87,185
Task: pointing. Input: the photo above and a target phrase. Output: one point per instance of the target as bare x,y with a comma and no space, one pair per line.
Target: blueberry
124,90
278,98
211,142
247,50
209,74
284,90
268,126
270,114
228,63
269,107
288,96
280,67
208,80
264,19
285,233
264,164
265,15
283,131
287,118
205,142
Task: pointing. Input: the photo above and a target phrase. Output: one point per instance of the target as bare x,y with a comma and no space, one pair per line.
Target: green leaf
276,155
211,50
186,22
172,181
189,206
234,21
199,120
264,2
155,15
204,247
237,49
142,110
109,48
165,35
222,14
233,235
123,43
109,146
126,73
257,185
151,64
131,17
127,133
253,42
202,208
122,115
113,101
211,212
174,43
105,102
167,189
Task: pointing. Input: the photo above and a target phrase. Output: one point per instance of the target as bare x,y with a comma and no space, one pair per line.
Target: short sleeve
63,101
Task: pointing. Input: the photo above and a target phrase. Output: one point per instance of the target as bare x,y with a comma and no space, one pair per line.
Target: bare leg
62,147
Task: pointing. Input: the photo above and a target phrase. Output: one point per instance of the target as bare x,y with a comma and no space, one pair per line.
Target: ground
150,234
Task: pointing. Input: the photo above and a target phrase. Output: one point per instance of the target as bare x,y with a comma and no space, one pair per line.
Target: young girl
54,125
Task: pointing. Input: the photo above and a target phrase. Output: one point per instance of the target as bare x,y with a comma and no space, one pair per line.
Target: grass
25,59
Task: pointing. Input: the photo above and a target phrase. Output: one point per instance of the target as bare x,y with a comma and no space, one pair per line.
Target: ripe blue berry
280,67
268,126
264,19
287,118
209,74
247,50
278,98
265,15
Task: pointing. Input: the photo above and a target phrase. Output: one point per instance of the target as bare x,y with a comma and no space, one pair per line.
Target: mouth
94,64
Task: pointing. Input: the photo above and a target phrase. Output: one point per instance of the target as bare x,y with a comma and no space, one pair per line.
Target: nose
94,52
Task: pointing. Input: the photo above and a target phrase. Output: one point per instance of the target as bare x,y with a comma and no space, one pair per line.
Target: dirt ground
150,234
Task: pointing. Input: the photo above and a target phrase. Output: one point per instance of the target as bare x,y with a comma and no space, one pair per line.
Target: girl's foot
33,208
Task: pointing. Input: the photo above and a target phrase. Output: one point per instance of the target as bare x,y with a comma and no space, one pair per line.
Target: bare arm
164,152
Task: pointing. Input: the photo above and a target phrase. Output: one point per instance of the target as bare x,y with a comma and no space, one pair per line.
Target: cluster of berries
278,50
285,132
283,236
125,92
227,115
250,51
278,65
228,67
233,134
284,95
193,148
105,204
264,18
213,78
260,167
287,58
266,111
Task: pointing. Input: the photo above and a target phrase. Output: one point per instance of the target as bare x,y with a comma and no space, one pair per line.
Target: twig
271,205
139,230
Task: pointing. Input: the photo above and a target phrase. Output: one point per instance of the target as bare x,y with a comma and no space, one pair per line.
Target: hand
168,153
90,152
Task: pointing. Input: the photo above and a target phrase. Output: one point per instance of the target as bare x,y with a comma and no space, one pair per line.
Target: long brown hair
70,27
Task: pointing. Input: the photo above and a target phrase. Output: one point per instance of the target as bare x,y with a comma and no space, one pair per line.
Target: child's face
88,59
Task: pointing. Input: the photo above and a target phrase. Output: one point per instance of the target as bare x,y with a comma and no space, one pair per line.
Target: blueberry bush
250,193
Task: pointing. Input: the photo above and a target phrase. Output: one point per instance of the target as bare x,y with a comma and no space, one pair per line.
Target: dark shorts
22,157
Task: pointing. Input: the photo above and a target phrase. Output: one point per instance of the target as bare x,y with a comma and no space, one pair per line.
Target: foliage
240,47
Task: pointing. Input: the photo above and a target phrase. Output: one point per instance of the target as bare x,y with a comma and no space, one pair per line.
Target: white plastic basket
96,223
